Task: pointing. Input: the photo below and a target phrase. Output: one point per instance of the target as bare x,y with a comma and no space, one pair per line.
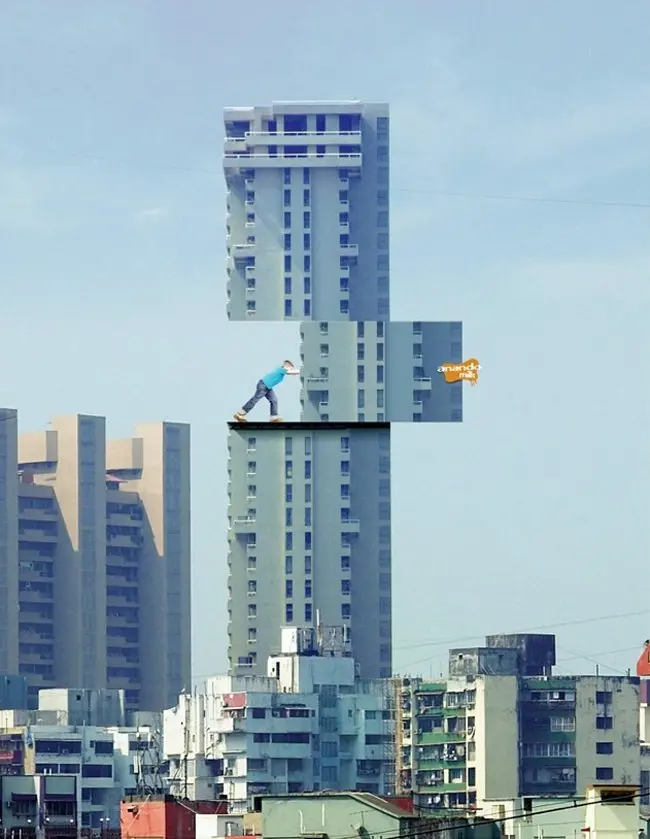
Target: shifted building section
384,371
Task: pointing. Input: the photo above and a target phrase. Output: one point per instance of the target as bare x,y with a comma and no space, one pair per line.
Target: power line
439,193
426,831
541,627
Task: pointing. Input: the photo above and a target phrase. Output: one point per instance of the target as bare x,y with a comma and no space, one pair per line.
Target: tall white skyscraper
307,211
309,536
308,239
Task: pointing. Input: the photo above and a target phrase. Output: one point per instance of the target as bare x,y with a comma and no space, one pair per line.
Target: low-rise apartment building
105,762
309,725
494,730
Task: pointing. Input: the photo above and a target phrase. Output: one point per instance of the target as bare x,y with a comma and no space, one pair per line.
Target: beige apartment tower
95,558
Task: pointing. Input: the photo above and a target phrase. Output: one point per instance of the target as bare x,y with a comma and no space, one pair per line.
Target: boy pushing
264,390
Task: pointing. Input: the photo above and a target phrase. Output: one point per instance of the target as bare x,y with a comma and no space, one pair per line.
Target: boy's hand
293,371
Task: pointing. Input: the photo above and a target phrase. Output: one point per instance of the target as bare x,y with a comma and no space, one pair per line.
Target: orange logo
467,371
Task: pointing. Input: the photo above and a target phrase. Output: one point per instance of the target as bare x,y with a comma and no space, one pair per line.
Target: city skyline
109,238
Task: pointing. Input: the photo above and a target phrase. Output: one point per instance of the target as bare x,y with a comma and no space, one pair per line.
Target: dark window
306,219
287,198
95,770
287,262
258,713
604,748
604,723
287,220
604,697
604,773
287,308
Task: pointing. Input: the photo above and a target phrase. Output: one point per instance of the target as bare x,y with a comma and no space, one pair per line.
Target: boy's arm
294,371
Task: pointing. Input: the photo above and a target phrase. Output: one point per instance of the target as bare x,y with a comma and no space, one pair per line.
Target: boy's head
288,365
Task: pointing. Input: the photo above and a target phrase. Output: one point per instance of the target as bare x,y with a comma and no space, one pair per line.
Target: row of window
382,197
383,307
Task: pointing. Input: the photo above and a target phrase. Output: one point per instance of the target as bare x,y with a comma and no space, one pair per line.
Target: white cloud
152,215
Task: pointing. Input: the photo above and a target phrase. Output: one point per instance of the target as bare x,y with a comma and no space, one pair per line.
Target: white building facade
301,548
376,371
308,211
309,724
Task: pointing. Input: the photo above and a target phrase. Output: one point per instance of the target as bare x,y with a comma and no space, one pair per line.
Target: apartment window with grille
305,176
252,586
251,492
287,241
287,262
288,469
288,517
252,466
288,588
308,611
288,613
287,220
305,197
308,470
306,241
361,352
380,372
344,307
287,177
250,305
324,350
307,565
306,219
307,516
307,588
344,284
308,541
361,373
604,773
287,198
345,490
307,493
604,723
604,697
288,493
288,541
345,563
604,748
346,611
345,467
288,565
306,283
324,329
252,443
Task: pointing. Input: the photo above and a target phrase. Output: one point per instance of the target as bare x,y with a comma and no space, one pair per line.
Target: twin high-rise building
310,503
95,558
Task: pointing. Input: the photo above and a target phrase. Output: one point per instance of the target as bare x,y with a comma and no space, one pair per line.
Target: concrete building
103,759
309,539
495,731
356,813
308,211
86,521
379,371
165,817
43,806
309,724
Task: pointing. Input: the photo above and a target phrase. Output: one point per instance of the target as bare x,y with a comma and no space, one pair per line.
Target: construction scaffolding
389,734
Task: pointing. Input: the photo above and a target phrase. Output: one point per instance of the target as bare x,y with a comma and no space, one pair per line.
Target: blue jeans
262,392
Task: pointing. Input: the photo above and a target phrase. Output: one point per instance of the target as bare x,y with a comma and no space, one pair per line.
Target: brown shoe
239,417
275,419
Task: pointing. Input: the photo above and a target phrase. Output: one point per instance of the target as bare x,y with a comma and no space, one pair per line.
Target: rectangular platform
308,426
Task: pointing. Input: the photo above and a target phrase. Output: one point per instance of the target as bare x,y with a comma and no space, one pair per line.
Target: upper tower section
307,211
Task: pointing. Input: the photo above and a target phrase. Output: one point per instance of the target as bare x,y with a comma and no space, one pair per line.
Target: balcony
243,524
349,250
351,526
422,383
236,161
243,251
31,532
316,382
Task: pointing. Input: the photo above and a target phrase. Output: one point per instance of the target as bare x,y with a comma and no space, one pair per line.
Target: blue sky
532,513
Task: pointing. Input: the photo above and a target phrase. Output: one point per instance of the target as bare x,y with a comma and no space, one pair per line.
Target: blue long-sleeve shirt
275,377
